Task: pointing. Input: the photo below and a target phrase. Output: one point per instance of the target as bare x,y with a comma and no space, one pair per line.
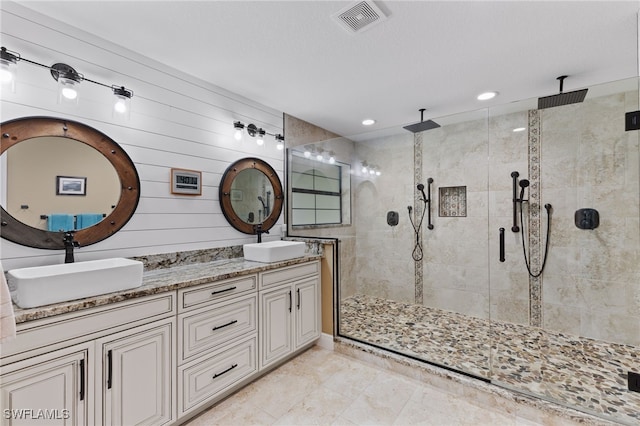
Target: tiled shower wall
575,157
592,285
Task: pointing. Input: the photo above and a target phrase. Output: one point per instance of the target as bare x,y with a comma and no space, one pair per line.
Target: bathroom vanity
160,353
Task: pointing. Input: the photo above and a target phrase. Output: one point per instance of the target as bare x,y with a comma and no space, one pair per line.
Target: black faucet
259,231
69,245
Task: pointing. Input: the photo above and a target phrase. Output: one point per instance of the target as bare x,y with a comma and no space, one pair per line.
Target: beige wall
31,177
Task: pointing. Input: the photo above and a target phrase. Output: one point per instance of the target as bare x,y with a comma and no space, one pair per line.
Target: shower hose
546,246
417,253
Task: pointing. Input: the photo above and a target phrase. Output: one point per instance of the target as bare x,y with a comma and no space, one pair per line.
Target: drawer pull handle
223,291
224,325
225,371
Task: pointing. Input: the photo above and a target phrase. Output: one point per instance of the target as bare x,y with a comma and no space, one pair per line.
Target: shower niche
453,201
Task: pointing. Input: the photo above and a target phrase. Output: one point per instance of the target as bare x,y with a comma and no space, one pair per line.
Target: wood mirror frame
18,130
225,194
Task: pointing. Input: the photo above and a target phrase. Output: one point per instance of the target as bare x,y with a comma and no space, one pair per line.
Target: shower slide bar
515,227
502,245
428,201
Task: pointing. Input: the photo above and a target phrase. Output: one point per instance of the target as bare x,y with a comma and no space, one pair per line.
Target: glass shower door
575,334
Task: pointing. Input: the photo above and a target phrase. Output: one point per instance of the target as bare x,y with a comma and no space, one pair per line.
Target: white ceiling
292,56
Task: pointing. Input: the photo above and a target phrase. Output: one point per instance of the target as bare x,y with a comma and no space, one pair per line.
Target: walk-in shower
468,303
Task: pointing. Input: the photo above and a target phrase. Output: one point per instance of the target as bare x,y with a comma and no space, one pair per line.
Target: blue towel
60,222
85,220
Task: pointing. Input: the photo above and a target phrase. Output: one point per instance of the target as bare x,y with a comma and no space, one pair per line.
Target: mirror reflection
252,196
63,175
320,188
59,184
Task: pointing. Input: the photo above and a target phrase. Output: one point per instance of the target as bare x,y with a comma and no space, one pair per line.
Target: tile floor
321,387
581,372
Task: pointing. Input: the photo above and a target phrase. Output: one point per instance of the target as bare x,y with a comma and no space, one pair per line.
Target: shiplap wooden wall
176,121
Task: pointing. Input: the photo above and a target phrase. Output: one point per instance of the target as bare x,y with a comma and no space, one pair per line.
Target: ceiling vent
359,16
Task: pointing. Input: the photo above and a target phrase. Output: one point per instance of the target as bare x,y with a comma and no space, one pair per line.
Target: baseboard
326,341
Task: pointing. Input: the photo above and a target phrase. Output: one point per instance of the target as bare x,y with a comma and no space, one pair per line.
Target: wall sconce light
332,157
370,169
238,133
260,140
68,81
8,68
256,132
279,142
122,105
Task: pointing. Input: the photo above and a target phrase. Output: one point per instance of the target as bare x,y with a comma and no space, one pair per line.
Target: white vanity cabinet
162,358
136,383
48,389
217,340
59,364
289,310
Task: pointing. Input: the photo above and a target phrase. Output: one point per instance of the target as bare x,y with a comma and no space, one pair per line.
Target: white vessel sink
273,251
43,285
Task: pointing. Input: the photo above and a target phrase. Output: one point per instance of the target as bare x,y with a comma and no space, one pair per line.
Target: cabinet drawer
191,298
202,381
213,326
291,273
52,333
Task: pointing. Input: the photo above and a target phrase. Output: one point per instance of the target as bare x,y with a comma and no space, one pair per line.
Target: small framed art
186,182
68,185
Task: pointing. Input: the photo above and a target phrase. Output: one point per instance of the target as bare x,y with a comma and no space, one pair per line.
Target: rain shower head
422,125
561,98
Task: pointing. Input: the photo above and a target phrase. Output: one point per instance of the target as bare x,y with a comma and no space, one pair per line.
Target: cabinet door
49,391
137,377
275,337
307,311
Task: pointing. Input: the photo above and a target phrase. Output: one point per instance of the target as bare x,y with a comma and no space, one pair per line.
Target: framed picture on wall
69,185
186,182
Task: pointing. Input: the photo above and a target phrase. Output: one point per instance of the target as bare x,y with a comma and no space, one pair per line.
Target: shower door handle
501,244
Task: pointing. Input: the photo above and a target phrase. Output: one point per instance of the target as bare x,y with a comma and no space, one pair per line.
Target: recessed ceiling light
368,122
519,129
487,95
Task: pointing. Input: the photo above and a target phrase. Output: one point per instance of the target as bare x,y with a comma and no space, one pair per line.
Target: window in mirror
316,191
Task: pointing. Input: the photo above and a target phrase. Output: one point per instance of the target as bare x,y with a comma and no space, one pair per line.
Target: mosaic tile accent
417,208
453,201
535,244
583,373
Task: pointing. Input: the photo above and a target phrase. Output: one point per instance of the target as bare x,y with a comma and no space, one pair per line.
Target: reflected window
316,192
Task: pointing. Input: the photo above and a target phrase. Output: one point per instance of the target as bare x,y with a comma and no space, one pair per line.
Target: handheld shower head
523,184
421,189
262,201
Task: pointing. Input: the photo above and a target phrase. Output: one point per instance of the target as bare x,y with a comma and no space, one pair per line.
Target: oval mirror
251,195
62,176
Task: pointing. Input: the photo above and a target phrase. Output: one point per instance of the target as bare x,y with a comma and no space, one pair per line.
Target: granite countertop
158,281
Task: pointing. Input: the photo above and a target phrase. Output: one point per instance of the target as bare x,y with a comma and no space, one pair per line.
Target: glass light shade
8,73
8,69
237,135
67,91
279,145
307,154
122,107
260,141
